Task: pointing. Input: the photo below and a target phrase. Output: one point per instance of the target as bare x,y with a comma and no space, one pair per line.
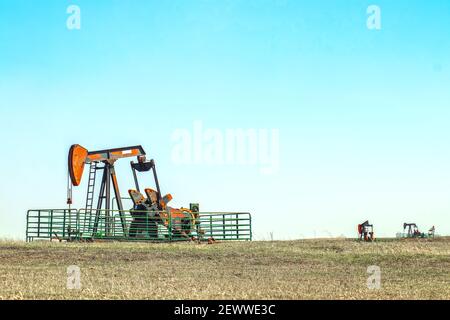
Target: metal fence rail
226,226
131,225
51,223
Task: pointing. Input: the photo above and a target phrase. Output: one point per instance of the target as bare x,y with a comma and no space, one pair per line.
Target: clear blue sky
363,115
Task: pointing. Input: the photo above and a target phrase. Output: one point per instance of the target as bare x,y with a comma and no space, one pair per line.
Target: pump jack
412,230
78,157
183,220
365,231
149,219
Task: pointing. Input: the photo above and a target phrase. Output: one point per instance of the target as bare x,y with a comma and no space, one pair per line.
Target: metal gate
80,225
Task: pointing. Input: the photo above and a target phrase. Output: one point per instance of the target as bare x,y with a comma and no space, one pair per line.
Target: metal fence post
251,230
237,226
170,224
210,225
78,225
26,231
146,226
51,224
64,224
39,224
223,226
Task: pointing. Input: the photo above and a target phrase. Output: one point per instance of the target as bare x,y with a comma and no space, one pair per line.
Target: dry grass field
306,269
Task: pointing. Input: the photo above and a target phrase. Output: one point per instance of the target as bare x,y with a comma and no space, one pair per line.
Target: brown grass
307,269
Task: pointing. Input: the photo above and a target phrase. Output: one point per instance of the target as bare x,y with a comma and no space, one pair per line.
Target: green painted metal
50,223
79,225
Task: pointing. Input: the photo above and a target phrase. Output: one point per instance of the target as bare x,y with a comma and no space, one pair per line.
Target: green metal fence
132,225
51,223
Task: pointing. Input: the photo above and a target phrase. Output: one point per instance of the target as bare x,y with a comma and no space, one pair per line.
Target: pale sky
362,115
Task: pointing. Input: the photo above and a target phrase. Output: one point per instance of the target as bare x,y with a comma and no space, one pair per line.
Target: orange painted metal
77,159
79,156
152,195
114,155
